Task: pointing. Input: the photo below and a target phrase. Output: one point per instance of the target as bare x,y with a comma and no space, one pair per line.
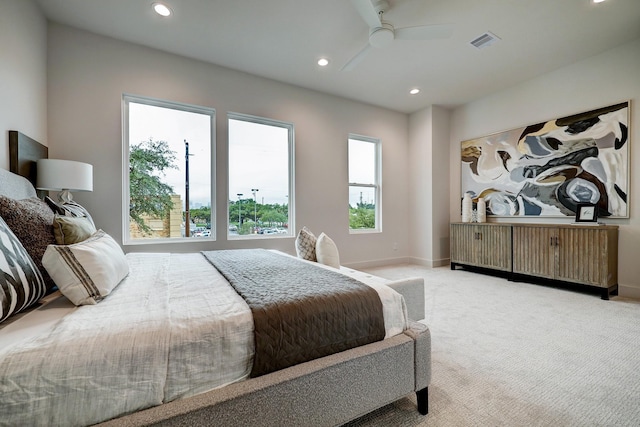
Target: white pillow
87,271
327,251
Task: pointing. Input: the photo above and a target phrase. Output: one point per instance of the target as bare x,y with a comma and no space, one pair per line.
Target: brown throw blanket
301,311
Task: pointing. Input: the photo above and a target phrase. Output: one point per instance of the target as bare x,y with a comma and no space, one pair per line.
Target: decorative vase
467,207
482,210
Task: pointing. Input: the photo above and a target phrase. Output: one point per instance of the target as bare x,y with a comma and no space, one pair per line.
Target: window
260,177
167,173
364,184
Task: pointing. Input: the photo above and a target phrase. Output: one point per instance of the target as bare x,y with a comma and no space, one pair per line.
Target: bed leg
423,400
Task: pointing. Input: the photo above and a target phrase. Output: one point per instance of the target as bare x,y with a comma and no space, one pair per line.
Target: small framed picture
586,212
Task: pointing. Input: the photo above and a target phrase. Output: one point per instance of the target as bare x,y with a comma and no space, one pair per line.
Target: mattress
172,329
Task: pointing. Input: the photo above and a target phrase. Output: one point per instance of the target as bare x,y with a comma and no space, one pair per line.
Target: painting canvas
548,169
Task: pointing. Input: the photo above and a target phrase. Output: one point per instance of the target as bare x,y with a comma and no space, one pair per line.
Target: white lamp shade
54,174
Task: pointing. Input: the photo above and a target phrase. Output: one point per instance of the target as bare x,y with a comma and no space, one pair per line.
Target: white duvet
173,328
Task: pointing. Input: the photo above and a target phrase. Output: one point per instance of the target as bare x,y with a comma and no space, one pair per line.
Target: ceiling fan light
381,36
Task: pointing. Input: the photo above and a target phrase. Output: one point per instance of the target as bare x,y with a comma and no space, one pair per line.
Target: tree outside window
169,178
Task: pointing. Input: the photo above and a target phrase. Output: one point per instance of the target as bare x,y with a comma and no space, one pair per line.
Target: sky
362,167
174,127
258,156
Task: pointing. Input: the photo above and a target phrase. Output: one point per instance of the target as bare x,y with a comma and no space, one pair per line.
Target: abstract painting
549,168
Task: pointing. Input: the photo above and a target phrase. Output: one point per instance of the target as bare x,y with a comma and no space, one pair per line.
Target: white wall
429,186
88,74
601,80
23,73
420,185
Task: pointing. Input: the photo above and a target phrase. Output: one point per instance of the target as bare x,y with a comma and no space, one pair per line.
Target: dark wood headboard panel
24,152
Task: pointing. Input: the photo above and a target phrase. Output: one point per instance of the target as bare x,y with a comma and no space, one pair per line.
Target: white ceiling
282,40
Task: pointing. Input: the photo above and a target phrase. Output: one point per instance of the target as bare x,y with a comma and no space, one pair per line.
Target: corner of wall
23,54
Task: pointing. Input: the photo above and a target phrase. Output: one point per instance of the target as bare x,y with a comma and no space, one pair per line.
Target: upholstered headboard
24,153
15,186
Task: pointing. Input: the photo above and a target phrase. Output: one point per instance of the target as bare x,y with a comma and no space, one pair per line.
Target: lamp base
65,196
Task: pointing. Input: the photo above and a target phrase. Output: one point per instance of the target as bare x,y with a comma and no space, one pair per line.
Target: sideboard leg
607,292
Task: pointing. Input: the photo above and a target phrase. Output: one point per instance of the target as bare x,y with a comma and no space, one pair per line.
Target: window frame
377,185
126,196
291,165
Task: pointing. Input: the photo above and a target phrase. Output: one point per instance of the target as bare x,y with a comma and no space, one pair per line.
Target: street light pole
255,210
187,220
239,211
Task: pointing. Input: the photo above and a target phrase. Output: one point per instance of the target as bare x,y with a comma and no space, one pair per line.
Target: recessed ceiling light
161,9
323,62
598,1
414,91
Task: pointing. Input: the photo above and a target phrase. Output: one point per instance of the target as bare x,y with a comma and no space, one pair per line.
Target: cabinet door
481,245
534,250
495,247
464,249
582,256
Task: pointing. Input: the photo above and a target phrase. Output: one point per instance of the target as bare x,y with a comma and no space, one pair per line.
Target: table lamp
64,176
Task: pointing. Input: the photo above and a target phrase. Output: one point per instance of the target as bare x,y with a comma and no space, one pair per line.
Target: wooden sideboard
582,254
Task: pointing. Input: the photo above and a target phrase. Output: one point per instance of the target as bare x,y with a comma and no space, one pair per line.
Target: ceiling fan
382,33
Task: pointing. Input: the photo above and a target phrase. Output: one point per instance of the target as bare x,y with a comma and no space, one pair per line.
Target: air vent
487,39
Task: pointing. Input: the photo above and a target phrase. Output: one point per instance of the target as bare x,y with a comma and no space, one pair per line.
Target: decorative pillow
69,230
71,208
327,251
88,271
21,284
306,244
30,220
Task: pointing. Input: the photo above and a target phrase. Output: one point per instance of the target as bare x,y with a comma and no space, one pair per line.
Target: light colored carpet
519,354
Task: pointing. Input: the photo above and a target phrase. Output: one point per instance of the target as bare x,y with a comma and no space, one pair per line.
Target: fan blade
367,11
351,64
424,32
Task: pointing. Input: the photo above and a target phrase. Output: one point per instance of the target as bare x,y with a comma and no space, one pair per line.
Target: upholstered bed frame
327,391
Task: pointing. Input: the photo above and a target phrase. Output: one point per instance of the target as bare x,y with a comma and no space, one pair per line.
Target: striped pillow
87,271
30,220
71,209
21,284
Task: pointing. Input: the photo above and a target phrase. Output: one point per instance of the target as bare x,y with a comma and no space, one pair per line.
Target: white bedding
173,328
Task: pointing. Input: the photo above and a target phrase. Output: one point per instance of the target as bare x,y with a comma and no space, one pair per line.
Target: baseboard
377,263
429,263
396,261
629,291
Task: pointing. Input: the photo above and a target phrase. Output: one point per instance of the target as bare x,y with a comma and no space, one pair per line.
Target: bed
144,354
